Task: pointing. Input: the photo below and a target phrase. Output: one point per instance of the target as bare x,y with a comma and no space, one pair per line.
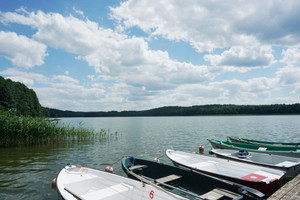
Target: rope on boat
116,161
109,168
161,156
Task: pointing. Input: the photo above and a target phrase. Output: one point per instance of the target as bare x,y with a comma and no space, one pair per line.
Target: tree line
16,96
216,109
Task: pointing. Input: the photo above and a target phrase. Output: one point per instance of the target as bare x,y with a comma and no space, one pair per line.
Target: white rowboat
76,182
264,179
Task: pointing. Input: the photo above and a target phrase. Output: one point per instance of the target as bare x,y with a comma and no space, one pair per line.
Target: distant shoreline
200,110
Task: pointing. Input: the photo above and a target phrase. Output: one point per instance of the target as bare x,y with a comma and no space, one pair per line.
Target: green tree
15,95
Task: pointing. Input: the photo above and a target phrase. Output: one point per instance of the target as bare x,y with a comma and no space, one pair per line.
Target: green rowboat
259,142
277,150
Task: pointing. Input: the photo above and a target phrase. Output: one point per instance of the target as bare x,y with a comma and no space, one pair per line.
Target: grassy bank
19,130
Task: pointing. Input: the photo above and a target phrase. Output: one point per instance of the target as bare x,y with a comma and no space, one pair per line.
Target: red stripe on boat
253,177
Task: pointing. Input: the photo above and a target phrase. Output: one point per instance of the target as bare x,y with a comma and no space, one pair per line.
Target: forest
15,96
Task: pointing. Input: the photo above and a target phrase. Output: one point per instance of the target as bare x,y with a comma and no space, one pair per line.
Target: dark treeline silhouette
216,109
15,96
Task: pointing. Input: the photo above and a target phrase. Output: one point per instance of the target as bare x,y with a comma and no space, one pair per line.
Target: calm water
26,172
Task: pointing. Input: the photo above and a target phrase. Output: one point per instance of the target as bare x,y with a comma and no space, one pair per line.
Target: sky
109,55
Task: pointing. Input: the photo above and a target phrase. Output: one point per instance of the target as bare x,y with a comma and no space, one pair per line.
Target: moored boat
76,182
259,142
187,183
264,179
290,165
277,150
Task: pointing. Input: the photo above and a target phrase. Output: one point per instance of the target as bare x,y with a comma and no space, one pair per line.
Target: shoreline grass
20,130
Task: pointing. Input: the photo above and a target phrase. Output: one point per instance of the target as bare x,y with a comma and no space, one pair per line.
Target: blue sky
140,54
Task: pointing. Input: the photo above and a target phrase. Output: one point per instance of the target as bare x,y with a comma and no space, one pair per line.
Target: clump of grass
20,130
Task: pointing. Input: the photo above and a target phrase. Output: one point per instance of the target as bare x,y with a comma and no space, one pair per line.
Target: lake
26,172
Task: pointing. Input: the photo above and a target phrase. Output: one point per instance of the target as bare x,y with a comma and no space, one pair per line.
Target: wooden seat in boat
219,193
169,178
137,167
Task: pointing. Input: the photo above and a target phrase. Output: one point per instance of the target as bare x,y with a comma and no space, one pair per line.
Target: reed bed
20,130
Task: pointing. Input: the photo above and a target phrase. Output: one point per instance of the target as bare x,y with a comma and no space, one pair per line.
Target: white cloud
67,33
118,55
175,20
27,81
20,75
289,75
121,60
263,84
60,91
207,25
21,50
243,57
65,79
232,91
126,59
291,55
108,52
79,12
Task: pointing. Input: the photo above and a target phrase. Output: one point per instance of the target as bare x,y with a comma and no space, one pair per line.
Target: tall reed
19,130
